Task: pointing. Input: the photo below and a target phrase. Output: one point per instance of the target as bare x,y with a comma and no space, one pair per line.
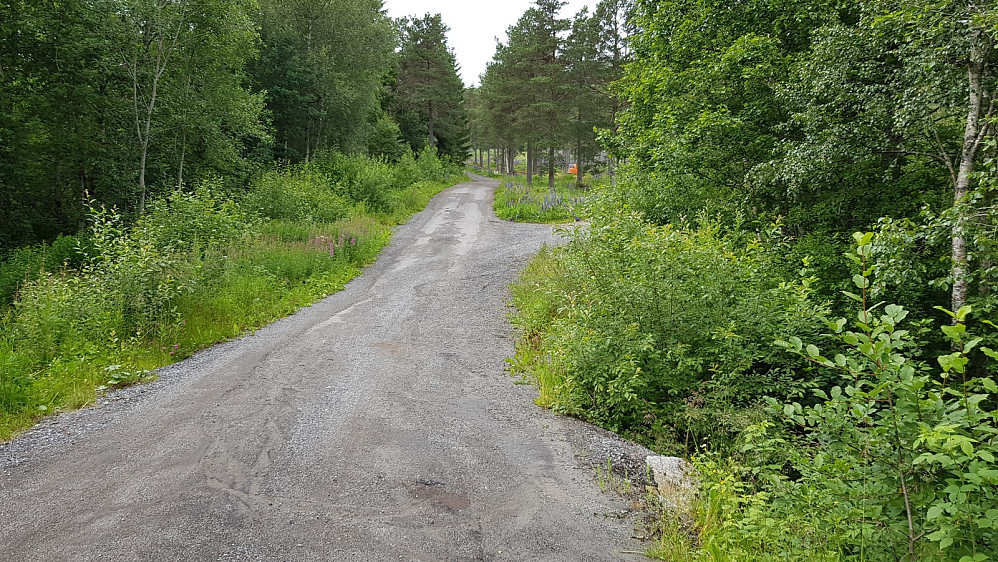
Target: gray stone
674,478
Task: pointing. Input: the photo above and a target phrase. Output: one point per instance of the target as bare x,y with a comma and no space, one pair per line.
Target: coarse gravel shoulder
378,424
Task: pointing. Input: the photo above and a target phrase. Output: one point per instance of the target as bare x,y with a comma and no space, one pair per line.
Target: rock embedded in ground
674,479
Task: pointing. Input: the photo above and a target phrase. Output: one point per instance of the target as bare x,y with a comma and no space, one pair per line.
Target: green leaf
954,332
853,296
953,362
967,447
862,239
934,512
964,312
947,311
813,351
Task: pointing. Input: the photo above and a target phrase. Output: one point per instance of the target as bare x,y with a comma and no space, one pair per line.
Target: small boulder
674,479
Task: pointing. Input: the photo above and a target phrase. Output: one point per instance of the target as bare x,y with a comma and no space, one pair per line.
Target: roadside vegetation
792,282
516,201
175,173
102,309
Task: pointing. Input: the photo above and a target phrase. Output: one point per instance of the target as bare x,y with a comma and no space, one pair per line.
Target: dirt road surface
378,424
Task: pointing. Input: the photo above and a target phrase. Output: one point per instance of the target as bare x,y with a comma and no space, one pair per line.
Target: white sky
475,25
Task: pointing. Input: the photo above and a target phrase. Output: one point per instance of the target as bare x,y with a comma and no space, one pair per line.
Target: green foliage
197,268
896,461
520,203
322,67
27,263
662,332
550,89
428,96
384,140
301,194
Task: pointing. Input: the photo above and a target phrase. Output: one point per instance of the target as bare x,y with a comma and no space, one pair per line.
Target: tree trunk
551,168
183,155
530,165
973,137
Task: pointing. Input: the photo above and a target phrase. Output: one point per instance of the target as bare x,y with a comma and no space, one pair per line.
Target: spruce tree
429,100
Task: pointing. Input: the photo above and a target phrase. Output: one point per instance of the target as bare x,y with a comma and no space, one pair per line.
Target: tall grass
101,310
516,202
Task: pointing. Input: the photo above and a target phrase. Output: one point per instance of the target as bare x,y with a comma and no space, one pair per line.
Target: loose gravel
378,424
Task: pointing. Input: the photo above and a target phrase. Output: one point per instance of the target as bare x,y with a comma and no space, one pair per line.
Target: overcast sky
475,25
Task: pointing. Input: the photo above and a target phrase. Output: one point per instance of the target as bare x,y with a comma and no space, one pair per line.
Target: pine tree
428,99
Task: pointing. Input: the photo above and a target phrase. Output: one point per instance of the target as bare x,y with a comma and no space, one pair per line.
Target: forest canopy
113,102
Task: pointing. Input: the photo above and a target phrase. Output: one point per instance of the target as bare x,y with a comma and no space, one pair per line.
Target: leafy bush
188,221
896,461
661,332
27,263
384,140
302,194
430,167
362,179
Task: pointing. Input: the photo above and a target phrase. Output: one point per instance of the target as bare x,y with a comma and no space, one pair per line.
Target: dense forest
788,273
114,102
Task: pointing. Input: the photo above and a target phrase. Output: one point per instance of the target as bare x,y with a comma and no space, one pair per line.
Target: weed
195,270
610,481
517,202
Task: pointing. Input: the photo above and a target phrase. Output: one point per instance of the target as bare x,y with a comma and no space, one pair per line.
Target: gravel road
378,424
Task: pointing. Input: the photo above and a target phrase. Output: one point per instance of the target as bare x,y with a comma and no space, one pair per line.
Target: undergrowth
852,438
103,309
516,202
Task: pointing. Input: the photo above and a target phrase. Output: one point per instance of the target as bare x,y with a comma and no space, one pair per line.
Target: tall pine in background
428,101
548,87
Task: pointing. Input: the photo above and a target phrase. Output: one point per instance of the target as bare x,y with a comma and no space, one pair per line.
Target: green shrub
302,194
897,461
27,263
430,167
662,332
193,221
384,140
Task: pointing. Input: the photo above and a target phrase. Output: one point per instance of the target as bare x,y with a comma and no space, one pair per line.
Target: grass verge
143,299
515,201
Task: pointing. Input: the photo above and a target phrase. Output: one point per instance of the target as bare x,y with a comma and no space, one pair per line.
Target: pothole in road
437,493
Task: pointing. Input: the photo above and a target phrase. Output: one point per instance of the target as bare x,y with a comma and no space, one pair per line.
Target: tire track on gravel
376,425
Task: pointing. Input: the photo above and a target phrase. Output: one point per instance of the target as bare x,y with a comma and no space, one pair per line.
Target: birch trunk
975,131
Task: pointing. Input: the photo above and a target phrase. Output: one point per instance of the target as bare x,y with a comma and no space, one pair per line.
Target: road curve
376,425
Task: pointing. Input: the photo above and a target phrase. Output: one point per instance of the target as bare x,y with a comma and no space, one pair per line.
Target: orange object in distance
574,169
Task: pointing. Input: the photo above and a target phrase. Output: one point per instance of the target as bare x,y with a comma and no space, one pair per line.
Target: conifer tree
428,99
